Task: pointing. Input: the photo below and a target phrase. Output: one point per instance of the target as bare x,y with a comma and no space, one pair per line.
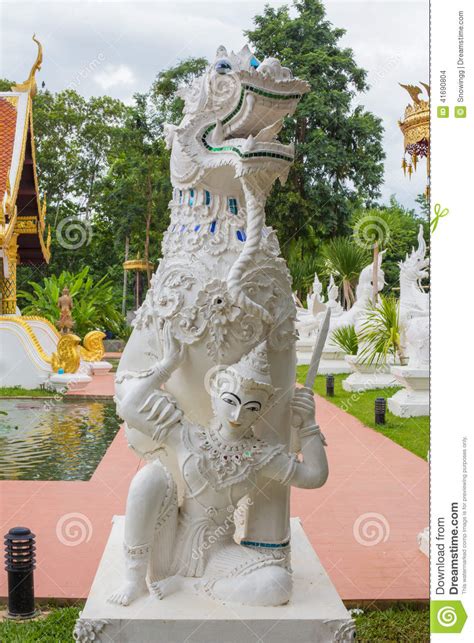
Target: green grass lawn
403,623
399,624
411,433
18,391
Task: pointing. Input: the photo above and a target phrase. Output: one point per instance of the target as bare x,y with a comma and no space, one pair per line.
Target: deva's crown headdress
251,371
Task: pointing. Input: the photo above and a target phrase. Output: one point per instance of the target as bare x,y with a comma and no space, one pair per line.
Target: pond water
47,439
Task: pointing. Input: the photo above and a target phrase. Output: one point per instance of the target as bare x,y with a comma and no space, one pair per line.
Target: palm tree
344,259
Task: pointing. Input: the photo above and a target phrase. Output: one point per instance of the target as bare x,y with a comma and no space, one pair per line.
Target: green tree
167,104
339,153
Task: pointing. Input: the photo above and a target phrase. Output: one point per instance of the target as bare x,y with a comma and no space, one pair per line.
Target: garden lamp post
20,561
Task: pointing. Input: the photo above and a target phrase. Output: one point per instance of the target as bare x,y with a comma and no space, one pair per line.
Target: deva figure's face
238,408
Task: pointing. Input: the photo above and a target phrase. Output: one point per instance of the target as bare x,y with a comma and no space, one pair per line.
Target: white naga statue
414,305
364,293
220,290
220,464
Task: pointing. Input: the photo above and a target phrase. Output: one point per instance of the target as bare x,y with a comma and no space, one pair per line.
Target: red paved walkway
101,386
369,475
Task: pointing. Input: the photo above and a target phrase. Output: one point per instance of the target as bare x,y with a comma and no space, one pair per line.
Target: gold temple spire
29,85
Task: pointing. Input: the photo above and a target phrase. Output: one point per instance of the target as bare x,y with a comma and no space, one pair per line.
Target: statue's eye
253,406
223,66
229,400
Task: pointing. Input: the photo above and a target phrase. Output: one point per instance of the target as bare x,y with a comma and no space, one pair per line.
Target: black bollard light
380,409
330,385
20,562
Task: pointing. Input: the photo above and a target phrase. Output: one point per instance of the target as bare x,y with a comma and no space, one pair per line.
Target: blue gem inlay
207,197
254,62
212,227
196,227
191,197
241,236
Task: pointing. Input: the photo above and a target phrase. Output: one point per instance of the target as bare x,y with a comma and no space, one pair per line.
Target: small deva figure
65,323
220,464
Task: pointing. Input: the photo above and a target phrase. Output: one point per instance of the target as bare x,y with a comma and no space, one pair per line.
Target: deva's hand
162,411
302,407
173,350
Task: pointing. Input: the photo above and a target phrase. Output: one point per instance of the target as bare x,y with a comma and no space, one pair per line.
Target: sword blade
318,350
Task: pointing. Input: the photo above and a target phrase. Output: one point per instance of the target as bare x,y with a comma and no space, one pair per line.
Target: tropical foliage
379,336
345,337
94,305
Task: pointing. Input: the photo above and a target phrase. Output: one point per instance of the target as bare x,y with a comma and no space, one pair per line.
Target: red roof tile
8,116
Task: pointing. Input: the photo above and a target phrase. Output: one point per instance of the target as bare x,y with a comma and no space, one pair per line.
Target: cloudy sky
116,48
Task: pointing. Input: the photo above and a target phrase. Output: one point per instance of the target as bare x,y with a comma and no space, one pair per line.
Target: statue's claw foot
162,588
127,593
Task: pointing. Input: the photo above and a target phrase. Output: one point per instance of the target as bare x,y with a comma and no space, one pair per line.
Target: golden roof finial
29,85
414,92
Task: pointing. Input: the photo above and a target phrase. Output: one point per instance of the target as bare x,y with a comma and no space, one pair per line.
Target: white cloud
113,75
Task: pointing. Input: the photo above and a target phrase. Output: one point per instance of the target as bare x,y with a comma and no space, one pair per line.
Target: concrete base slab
100,368
414,399
68,381
408,404
333,367
357,382
315,612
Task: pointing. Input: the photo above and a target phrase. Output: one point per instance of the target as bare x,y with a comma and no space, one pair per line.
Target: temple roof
21,211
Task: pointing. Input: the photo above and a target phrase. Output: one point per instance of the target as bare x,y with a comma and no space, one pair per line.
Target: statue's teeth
217,135
269,133
249,143
250,101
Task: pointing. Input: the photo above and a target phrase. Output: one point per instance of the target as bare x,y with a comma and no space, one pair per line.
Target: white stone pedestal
366,377
68,381
333,362
99,368
414,399
315,613
304,350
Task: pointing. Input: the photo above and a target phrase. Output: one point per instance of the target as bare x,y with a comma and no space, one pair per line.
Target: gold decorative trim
93,349
67,354
26,225
29,85
138,264
45,321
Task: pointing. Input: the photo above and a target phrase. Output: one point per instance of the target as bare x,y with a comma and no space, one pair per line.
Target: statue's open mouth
244,131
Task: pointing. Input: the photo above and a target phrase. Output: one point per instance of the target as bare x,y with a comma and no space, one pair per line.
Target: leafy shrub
380,332
93,303
345,338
